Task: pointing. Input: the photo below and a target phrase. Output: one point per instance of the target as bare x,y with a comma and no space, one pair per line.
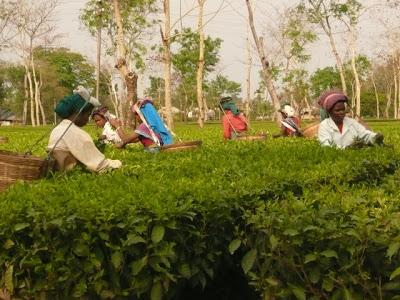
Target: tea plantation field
277,219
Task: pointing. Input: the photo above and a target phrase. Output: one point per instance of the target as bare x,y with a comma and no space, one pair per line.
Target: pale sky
230,25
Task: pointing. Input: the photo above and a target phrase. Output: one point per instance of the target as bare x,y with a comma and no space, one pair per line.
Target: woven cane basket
182,146
15,166
257,137
311,131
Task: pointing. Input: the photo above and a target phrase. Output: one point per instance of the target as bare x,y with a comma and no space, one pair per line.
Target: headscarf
231,106
101,111
228,104
288,110
85,94
328,99
72,104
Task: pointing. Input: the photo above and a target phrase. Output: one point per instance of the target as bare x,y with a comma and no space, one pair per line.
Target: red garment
146,142
144,139
238,122
340,127
289,132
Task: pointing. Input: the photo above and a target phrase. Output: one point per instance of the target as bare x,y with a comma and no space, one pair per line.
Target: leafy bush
299,220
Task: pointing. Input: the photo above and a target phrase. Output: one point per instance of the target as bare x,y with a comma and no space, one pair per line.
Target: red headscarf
328,99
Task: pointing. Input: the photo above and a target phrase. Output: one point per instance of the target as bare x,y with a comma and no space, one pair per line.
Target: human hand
357,144
379,139
115,123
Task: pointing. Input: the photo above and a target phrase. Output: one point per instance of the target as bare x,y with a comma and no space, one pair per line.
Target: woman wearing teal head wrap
234,123
74,107
69,144
231,107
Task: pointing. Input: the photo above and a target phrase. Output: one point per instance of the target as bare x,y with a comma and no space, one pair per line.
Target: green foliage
71,69
297,32
324,79
299,220
185,59
11,87
136,17
220,86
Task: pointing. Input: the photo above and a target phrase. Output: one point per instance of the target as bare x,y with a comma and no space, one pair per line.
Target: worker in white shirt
103,118
339,130
68,143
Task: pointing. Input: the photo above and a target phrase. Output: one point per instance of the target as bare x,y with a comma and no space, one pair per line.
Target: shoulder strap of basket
229,121
65,131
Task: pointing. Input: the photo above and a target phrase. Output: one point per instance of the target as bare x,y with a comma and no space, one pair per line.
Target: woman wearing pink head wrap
341,131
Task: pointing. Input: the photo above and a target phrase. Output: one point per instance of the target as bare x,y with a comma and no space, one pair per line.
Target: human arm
226,127
366,135
125,138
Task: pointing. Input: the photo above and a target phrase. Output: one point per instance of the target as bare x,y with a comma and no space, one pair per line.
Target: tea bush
300,221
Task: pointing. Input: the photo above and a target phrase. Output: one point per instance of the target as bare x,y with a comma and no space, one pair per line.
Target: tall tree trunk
248,79
326,27
98,51
31,94
376,96
266,70
200,65
339,62
35,90
116,102
396,88
129,77
167,64
44,121
388,102
357,84
26,98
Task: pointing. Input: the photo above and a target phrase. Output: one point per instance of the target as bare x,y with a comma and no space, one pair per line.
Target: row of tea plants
291,219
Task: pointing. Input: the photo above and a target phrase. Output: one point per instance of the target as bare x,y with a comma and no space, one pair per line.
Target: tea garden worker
290,123
339,130
234,123
68,143
151,131
103,119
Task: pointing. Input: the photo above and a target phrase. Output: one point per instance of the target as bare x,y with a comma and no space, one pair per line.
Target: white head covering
84,93
288,110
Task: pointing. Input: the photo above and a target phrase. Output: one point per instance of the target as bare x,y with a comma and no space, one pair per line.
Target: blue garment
156,124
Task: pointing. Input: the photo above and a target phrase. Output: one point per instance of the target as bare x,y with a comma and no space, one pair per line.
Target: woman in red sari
234,123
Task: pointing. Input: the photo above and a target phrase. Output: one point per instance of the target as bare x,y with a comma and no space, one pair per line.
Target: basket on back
311,131
14,167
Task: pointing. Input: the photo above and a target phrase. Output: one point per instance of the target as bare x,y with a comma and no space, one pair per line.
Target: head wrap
228,104
72,104
85,94
101,111
287,110
231,106
328,99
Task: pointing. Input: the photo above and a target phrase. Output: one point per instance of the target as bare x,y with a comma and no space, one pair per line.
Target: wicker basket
257,137
311,131
182,146
3,139
14,167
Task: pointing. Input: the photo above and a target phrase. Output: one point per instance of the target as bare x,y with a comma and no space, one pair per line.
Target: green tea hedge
298,220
